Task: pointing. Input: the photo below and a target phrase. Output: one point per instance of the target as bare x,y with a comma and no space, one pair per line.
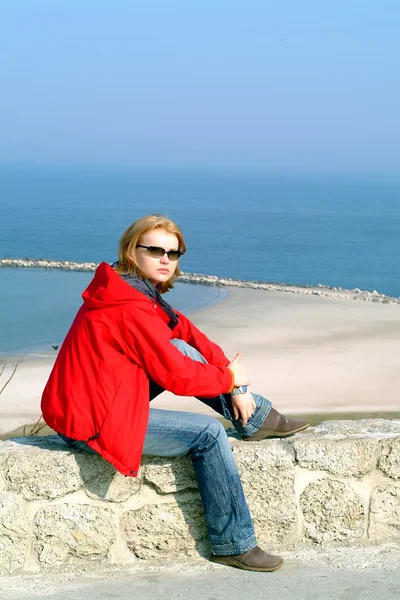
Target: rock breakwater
200,279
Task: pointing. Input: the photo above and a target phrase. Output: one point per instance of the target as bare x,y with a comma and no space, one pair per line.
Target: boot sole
232,562
258,436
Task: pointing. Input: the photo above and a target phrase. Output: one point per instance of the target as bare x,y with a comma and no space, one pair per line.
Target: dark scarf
148,289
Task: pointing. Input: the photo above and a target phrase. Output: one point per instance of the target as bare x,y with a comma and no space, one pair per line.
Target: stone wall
338,484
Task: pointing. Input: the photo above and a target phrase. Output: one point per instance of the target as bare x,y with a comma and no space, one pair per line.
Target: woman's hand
240,376
243,406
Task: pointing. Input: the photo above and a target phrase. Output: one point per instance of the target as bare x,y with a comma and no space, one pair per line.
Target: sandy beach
306,353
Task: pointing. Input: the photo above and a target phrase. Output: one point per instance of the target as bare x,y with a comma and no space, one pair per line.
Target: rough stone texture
390,460
166,531
13,533
65,532
46,468
173,527
384,513
103,482
267,472
332,511
377,427
169,475
42,474
6,449
338,455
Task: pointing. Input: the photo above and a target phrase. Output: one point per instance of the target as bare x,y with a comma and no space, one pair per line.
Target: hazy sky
311,84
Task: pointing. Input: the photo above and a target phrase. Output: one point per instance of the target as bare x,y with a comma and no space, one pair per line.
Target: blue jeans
175,433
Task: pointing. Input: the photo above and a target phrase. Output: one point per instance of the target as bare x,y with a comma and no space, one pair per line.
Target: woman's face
157,270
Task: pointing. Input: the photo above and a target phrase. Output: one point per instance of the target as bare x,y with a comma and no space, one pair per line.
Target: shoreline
212,280
307,354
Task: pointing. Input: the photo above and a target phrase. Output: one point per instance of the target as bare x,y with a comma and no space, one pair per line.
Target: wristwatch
242,389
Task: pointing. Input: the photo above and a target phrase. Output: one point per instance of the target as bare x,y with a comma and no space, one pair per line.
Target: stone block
13,533
46,468
6,449
389,462
332,512
384,521
345,456
40,469
267,472
67,532
169,475
166,531
364,427
103,482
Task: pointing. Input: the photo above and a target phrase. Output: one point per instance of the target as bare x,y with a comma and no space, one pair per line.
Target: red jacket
98,390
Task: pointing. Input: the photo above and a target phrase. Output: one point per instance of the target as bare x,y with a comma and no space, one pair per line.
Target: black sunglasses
157,252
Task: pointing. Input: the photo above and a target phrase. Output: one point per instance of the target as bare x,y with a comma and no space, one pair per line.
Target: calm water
38,306
279,228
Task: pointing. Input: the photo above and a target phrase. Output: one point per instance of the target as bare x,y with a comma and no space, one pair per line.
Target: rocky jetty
197,278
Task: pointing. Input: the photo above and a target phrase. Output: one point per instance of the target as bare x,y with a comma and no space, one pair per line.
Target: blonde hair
130,238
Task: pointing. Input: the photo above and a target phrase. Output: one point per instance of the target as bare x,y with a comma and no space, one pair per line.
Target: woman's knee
187,350
180,344
213,432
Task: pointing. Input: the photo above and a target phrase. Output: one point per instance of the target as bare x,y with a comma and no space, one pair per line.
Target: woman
125,346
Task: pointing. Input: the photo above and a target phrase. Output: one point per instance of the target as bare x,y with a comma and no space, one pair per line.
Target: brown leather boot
252,560
276,425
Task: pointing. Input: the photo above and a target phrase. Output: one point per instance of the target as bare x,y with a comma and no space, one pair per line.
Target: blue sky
274,85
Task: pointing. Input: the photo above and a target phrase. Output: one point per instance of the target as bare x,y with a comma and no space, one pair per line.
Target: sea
293,228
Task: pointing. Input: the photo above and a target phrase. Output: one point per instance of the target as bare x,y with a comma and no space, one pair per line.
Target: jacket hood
108,289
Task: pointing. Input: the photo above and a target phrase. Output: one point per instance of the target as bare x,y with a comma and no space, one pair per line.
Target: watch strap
241,389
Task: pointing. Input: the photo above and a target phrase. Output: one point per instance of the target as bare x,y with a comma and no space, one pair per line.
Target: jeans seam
238,546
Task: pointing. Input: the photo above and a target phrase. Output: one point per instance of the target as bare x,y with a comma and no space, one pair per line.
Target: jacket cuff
232,382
